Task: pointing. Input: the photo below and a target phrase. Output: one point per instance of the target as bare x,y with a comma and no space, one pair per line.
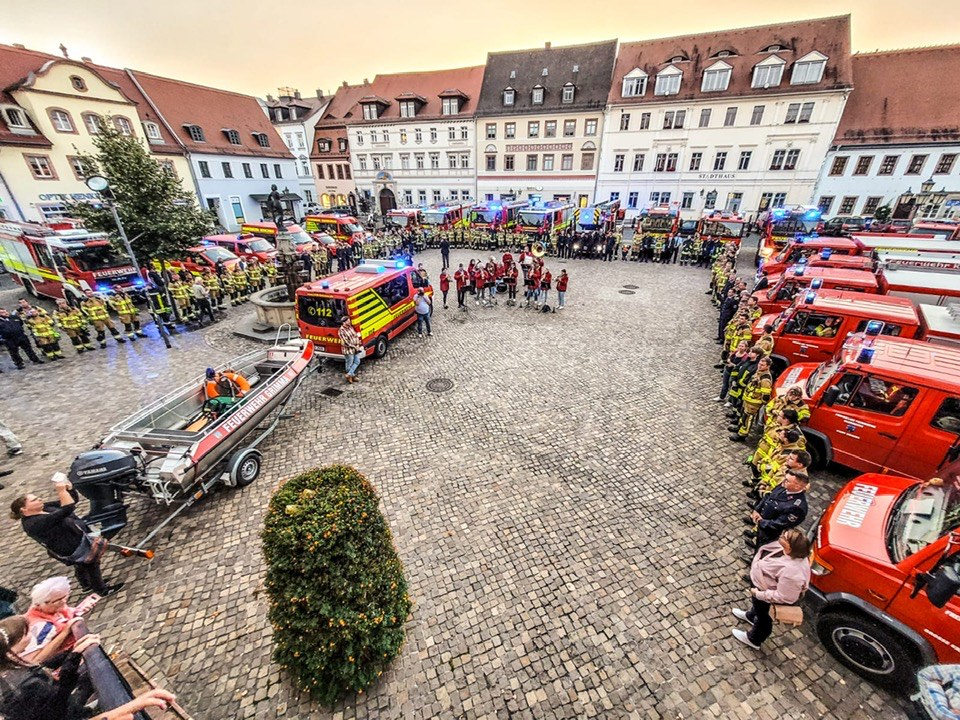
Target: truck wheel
243,468
872,651
380,349
818,453
28,286
779,364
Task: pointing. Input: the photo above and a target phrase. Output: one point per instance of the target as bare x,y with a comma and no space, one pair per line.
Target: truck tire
778,365
243,468
29,287
382,346
872,651
818,453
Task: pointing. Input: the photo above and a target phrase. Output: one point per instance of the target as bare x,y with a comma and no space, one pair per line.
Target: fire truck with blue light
497,214
62,260
659,221
723,226
601,217
547,217
779,226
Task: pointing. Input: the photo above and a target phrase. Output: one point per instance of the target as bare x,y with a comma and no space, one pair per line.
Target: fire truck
404,218
546,217
62,260
724,226
940,229
446,216
780,225
659,221
497,214
601,217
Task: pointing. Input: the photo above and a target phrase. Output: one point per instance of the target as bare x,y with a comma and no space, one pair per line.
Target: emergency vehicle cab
404,218
497,214
659,221
885,573
62,260
377,296
268,230
601,217
201,258
245,245
940,229
724,226
779,225
343,228
552,216
446,216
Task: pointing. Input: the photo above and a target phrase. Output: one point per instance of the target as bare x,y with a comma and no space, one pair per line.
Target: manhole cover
627,292
440,385
331,392
632,287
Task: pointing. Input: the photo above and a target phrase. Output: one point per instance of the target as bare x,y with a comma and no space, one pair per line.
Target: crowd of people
485,281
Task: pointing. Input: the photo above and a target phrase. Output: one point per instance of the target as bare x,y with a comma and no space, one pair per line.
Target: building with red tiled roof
330,151
412,136
294,117
736,120
899,139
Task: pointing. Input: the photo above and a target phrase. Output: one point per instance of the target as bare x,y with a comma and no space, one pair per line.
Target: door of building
388,201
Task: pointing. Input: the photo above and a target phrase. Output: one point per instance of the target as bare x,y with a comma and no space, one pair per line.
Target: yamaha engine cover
98,466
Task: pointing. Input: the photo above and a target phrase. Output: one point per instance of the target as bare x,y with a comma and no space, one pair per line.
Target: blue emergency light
779,213
816,283
811,215
325,285
809,297
874,328
103,288
802,261
399,264
798,270
865,355
139,283
826,253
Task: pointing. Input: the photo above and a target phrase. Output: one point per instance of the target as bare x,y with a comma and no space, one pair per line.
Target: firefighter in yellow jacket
74,324
123,305
44,330
255,275
240,284
756,394
95,308
271,272
180,292
212,283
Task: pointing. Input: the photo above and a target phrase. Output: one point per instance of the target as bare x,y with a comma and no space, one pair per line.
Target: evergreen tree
160,217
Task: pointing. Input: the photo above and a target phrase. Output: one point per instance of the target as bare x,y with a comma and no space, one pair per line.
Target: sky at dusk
257,46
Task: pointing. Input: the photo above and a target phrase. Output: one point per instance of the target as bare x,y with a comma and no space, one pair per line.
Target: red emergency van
268,230
725,226
782,289
404,218
780,225
343,228
245,245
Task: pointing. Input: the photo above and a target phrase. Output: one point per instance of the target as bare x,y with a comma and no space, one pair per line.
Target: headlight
766,252
818,566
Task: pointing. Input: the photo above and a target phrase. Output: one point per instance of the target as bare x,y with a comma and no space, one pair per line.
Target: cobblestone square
568,515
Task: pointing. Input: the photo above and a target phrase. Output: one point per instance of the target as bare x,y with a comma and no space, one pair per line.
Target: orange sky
256,47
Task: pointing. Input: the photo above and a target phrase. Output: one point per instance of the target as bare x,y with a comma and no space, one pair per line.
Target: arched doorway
388,201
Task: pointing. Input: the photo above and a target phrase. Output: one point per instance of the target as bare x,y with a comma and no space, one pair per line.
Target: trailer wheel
872,651
380,349
244,467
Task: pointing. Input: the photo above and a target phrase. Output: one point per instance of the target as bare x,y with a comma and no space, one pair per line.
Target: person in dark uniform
15,339
445,252
782,509
611,248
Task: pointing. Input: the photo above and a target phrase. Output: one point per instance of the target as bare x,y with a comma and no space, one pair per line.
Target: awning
283,196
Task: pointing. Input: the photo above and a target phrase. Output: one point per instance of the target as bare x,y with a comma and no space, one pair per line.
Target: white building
897,138
295,119
737,120
412,137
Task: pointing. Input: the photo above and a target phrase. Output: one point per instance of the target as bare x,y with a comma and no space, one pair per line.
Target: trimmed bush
338,597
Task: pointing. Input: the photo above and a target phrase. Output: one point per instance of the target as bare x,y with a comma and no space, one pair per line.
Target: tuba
538,249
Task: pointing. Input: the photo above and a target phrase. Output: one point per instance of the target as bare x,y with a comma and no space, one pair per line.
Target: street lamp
926,186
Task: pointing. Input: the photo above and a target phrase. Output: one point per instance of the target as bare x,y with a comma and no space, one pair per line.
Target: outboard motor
101,476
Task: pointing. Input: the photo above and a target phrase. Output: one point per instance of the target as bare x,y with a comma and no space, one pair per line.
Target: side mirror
943,585
830,395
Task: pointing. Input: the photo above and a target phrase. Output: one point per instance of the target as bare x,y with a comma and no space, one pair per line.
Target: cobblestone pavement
568,514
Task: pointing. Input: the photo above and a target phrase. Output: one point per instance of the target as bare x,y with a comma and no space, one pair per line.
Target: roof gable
427,89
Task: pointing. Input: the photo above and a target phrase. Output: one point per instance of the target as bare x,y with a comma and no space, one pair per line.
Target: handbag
787,614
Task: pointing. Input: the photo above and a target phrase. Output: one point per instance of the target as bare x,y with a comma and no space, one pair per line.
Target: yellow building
50,111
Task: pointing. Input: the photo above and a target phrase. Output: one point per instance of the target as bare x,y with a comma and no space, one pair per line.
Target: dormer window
678,58
233,137
716,78
568,92
17,121
634,83
262,139
408,109
809,69
372,112
195,132
152,131
323,145
449,106
537,97
668,81
773,48
768,73
342,144
509,96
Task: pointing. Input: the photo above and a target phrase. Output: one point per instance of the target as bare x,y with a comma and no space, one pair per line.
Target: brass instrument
538,249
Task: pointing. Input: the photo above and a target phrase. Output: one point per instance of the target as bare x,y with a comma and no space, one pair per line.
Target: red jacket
511,274
461,278
481,277
562,283
535,276
444,282
507,258
545,281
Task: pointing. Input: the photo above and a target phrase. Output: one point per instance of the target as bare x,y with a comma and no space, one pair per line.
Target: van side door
933,431
800,341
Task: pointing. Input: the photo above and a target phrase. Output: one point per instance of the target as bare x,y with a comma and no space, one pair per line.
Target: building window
433,134
916,165
569,128
248,170
61,120
537,96
78,83
666,162
695,160
799,113
418,135
153,132
767,75
863,165
233,137
731,117
550,128
566,162
531,163
41,167
346,171
340,171
491,163
632,199
618,162
419,159
434,161
408,197
548,162
634,86
277,173
508,97
204,168
779,199
17,120
686,202
847,205
450,106
508,162
704,117
757,117
840,165
437,196
673,119
361,162
668,84
360,137
871,204
93,123
464,132
586,161
509,130
79,170
342,144
370,111
945,164
568,93
590,127
404,161
614,196
264,170
451,133
784,159
744,163
638,159
385,137
825,203
452,160
533,129
624,121
715,80
320,171
227,169
195,132
807,72
491,131
719,160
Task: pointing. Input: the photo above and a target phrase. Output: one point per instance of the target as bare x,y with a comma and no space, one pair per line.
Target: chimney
20,46
319,94
546,45
269,98
366,81
296,94
344,83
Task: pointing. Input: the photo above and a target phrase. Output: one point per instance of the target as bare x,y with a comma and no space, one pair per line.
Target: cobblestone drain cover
632,287
331,392
440,385
626,292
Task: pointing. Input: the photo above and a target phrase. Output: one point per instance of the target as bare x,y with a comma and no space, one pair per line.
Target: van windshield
921,516
532,217
822,374
215,254
320,311
484,216
98,257
434,218
259,245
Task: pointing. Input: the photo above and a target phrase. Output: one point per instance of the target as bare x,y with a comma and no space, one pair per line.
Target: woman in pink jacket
780,574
